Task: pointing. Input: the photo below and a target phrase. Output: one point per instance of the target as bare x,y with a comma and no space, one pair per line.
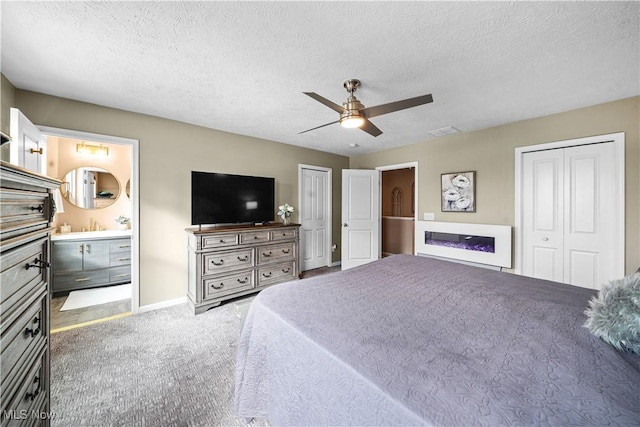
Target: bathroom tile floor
70,318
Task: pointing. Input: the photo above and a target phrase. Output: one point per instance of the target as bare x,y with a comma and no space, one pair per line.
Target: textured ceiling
241,67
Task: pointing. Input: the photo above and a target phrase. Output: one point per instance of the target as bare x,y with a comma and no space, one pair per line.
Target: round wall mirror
128,189
90,187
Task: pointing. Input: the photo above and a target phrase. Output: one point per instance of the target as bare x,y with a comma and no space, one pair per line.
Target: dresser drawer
223,285
224,261
117,246
219,240
276,273
21,210
254,237
22,338
120,274
29,402
283,234
17,280
274,253
119,258
80,280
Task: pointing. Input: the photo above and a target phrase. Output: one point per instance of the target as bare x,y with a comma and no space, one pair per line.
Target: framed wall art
458,192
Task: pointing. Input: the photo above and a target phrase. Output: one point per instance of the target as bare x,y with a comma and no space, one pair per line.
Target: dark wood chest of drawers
26,211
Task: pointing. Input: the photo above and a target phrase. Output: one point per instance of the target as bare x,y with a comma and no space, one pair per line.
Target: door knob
345,225
545,239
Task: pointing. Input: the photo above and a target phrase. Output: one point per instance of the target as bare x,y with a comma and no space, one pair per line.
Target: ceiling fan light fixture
351,120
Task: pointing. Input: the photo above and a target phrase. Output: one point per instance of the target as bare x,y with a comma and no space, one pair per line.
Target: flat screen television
218,198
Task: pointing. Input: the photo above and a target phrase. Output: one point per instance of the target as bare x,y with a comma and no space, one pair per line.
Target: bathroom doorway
95,243
398,206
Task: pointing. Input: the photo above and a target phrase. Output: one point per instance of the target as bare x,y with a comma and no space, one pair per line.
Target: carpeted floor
163,368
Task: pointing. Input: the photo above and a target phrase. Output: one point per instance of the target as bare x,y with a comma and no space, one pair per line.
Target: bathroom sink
91,234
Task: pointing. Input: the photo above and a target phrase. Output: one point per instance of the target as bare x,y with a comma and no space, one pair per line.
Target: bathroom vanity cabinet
89,260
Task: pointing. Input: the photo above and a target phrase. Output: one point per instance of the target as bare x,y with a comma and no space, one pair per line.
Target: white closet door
314,219
543,228
569,202
589,217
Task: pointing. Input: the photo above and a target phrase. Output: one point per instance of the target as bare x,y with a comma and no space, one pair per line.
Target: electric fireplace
488,245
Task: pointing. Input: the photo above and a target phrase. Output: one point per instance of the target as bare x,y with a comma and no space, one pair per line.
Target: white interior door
569,215
361,241
28,146
314,218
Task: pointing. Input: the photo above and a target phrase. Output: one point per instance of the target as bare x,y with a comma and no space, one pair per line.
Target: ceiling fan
354,115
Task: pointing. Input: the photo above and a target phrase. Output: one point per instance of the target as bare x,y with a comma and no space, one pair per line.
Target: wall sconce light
92,149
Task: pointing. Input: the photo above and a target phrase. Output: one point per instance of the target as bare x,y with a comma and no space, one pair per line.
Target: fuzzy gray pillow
614,315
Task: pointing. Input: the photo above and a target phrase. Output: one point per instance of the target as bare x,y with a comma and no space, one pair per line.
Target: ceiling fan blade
379,110
318,127
370,128
325,101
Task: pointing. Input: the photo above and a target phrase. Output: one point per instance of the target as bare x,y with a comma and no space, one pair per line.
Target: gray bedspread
417,341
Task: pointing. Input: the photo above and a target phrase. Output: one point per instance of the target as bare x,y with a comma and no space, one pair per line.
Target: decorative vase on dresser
230,261
26,212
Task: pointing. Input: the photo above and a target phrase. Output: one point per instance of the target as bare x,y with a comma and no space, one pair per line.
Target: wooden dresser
26,212
228,262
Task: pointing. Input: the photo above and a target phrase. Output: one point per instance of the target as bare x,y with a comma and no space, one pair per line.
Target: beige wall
7,100
169,151
490,153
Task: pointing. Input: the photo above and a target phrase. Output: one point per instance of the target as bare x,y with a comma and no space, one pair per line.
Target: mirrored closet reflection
91,246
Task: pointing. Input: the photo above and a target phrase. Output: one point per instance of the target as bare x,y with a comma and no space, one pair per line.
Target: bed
411,340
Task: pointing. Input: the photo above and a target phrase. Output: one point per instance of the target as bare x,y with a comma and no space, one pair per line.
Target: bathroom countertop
106,234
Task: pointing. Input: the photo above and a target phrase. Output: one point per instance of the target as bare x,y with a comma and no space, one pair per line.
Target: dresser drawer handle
124,259
213,285
39,208
33,332
217,263
286,270
38,263
286,251
246,280
264,254
83,279
124,246
222,241
246,258
267,275
32,396
123,275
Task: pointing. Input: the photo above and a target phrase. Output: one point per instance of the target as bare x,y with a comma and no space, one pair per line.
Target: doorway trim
618,143
329,228
135,200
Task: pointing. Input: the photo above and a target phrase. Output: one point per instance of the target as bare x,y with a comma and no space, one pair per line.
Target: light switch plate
429,216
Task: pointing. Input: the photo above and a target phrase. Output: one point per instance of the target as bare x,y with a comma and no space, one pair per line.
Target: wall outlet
429,216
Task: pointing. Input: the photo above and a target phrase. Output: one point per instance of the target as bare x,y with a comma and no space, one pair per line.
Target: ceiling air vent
449,130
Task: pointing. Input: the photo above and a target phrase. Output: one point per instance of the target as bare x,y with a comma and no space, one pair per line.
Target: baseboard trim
162,304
